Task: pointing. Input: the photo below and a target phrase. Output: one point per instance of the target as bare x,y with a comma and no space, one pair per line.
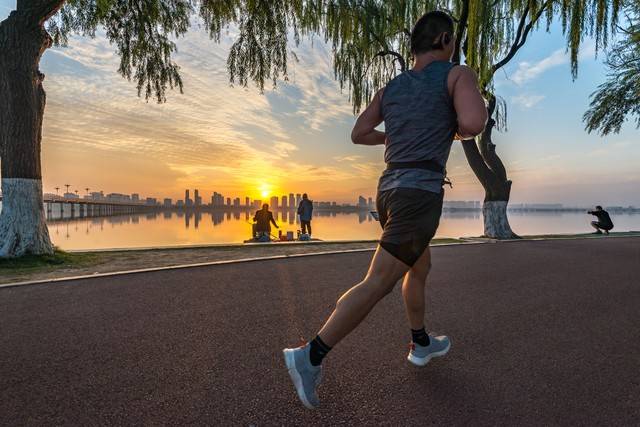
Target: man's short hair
304,196
427,28
599,207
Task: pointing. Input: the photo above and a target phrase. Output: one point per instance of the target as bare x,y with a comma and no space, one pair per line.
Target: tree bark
491,173
23,40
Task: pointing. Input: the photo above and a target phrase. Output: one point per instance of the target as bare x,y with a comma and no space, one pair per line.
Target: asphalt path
543,333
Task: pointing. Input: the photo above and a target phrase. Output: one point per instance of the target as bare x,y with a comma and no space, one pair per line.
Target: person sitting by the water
604,220
305,210
263,219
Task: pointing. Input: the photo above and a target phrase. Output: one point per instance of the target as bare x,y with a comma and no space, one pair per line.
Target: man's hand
459,137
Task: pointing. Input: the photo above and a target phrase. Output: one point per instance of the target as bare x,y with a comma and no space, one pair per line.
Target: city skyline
220,200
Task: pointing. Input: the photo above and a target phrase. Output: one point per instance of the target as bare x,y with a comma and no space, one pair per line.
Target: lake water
179,228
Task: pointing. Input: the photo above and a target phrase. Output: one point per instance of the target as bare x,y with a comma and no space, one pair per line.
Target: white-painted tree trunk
23,229
496,222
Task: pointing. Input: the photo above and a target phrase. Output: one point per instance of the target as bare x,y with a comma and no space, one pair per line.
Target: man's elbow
355,137
471,129
474,126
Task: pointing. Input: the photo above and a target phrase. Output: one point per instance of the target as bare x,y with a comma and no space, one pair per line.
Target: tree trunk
492,174
23,230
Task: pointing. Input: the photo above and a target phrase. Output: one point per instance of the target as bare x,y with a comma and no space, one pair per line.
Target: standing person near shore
422,110
305,210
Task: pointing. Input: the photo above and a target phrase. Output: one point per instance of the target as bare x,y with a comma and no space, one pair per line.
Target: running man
423,109
604,221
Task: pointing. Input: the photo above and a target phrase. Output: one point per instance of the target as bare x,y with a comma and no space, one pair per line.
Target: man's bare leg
303,363
351,309
413,290
424,347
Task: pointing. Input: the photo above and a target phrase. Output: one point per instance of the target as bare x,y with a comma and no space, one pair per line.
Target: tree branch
399,58
41,10
517,44
462,26
521,35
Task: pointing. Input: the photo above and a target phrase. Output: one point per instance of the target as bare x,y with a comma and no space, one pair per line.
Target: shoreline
74,263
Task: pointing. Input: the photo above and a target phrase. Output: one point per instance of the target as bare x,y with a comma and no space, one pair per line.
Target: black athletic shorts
409,218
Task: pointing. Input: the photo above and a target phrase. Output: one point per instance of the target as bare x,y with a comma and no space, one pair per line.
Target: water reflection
167,228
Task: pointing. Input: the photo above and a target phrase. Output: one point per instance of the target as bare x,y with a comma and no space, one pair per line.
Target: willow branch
399,58
521,35
462,26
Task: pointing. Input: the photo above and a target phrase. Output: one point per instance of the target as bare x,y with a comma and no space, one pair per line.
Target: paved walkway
543,333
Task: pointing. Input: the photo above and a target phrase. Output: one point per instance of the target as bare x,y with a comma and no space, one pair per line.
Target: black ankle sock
318,350
419,336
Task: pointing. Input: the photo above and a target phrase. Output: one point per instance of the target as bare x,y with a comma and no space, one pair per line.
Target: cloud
352,158
527,71
550,158
527,100
215,132
284,149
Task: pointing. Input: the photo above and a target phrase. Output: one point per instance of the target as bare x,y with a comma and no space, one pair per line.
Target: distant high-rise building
292,200
196,198
179,203
370,203
247,201
298,199
187,199
236,202
284,203
217,200
167,203
135,197
151,201
362,202
228,201
274,202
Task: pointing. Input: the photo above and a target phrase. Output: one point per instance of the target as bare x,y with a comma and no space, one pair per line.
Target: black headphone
444,40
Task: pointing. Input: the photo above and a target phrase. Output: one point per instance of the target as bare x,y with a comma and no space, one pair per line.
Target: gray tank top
420,122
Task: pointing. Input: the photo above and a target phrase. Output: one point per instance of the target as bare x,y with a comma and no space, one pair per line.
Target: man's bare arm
364,131
468,102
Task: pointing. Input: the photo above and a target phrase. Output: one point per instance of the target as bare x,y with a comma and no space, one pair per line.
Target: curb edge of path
464,242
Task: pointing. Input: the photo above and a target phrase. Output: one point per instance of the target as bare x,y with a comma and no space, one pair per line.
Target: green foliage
141,30
260,51
369,38
619,96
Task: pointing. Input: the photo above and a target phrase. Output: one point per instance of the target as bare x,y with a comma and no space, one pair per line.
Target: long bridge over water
89,208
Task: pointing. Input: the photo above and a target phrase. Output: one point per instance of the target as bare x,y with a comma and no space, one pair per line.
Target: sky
99,134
